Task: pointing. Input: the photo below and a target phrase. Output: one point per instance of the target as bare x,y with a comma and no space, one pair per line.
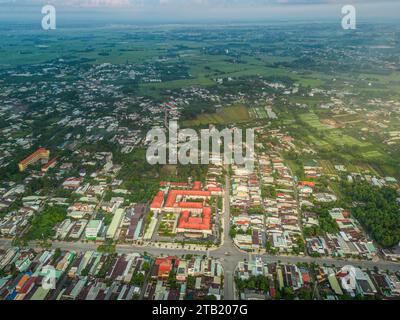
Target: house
93,228
354,281
163,266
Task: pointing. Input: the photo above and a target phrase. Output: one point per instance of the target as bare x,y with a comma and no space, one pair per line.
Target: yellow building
39,154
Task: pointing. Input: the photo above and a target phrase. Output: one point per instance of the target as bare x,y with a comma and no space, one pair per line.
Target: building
72,183
115,223
163,266
157,203
354,281
39,154
195,216
92,229
195,223
51,164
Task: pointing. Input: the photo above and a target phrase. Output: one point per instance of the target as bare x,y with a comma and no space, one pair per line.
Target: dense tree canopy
377,211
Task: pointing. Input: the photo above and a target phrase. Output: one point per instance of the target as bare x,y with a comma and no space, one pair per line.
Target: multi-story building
39,154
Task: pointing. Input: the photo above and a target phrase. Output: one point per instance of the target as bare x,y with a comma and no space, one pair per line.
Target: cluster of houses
350,241
15,221
258,280
282,220
312,169
67,275
187,278
27,273
246,209
373,180
85,218
263,203
128,139
97,276
276,278
334,282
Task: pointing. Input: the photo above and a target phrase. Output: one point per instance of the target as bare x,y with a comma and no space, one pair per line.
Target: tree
377,211
137,279
146,266
232,232
287,293
190,281
268,246
172,280
135,296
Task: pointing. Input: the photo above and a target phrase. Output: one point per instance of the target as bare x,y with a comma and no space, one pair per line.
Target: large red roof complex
178,194
195,215
196,223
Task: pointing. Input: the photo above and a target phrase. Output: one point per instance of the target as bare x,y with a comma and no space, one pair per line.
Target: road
229,262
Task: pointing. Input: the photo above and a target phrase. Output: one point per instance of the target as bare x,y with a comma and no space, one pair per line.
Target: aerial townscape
85,216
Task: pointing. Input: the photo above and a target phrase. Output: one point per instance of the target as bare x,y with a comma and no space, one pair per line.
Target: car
227,253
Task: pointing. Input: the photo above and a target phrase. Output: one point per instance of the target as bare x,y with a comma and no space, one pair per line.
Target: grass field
312,119
228,115
372,155
317,141
338,138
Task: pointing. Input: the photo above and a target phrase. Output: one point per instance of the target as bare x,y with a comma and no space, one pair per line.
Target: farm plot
258,113
312,119
327,167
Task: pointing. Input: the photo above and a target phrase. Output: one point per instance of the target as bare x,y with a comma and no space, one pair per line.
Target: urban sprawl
318,217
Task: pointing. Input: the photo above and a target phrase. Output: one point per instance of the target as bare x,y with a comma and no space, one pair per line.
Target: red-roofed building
215,191
197,185
307,183
196,217
176,196
158,201
29,284
305,277
51,164
194,223
164,266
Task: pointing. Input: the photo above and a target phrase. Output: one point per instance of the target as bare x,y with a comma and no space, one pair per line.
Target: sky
187,11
